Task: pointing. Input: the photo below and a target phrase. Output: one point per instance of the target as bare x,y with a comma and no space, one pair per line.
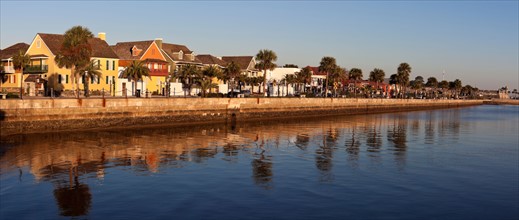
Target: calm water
443,164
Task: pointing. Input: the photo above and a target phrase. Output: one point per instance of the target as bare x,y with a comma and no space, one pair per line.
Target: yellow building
10,78
43,51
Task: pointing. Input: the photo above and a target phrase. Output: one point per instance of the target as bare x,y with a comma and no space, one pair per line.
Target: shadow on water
2,115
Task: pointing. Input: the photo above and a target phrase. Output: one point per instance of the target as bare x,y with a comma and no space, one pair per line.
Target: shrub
13,95
213,95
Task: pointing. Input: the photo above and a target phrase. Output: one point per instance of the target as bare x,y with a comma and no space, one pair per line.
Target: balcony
158,72
8,69
36,69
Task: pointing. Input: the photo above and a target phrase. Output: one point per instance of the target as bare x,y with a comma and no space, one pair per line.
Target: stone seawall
47,115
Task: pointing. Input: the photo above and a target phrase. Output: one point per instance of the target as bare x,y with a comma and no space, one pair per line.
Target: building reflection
66,159
430,127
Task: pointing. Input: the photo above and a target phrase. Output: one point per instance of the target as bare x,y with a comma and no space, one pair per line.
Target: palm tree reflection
73,200
262,170
324,154
302,141
72,197
262,166
353,147
397,134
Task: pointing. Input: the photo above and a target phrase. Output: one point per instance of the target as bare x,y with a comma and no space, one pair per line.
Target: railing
36,69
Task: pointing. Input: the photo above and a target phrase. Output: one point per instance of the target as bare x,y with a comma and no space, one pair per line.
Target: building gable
38,46
153,52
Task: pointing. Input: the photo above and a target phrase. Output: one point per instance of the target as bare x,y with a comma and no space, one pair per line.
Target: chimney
158,41
102,35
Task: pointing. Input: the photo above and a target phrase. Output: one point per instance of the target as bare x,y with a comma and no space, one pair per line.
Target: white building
275,81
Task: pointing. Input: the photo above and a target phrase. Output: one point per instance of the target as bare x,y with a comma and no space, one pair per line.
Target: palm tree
205,84
443,85
20,60
456,86
208,74
338,75
257,81
403,72
266,59
136,71
327,65
90,71
75,51
304,76
231,72
432,83
377,75
287,80
417,84
189,74
355,74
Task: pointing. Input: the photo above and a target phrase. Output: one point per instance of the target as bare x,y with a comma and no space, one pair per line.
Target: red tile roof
315,71
210,60
99,47
242,61
13,50
124,49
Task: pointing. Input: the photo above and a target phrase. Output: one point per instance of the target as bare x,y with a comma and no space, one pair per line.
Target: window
107,63
106,79
66,79
113,79
180,55
156,66
113,64
98,80
38,43
92,80
59,78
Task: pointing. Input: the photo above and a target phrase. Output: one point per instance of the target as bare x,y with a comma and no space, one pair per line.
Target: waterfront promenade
50,115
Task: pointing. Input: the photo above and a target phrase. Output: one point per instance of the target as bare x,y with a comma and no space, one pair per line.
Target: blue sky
474,41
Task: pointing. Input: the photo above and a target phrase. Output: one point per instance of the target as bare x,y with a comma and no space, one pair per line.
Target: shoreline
502,102
55,115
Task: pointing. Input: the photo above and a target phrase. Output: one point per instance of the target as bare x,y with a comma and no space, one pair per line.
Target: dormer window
135,51
180,55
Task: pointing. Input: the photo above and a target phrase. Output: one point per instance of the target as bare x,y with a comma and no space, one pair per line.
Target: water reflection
67,159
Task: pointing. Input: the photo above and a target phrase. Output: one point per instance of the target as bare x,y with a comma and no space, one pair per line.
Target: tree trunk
77,81
21,82
326,86
85,86
265,82
73,80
